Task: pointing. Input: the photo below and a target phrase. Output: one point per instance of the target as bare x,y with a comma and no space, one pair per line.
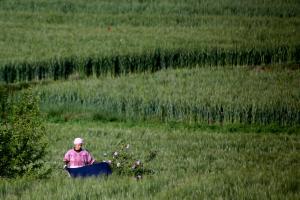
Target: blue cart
98,169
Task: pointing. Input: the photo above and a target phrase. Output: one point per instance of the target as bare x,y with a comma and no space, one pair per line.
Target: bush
22,137
123,162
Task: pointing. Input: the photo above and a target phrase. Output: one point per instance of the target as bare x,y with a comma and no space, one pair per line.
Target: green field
196,159
212,86
191,164
41,39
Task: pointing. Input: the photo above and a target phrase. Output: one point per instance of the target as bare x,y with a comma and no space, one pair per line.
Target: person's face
78,146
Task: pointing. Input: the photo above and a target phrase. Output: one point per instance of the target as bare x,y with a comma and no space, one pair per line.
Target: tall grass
148,61
212,95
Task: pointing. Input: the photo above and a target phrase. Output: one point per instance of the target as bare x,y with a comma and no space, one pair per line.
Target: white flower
105,154
138,162
109,161
115,153
118,164
127,146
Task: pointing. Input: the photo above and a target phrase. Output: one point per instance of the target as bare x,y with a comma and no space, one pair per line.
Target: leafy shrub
22,137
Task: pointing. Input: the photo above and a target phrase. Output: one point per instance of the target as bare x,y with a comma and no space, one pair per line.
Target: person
78,157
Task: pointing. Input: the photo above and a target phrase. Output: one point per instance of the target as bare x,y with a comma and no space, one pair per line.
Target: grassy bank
190,164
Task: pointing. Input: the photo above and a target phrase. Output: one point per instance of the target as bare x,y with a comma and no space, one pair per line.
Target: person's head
78,142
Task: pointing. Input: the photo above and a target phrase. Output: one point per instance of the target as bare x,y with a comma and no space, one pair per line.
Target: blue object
97,169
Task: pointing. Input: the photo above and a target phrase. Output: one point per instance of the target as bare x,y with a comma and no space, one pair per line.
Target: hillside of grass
52,39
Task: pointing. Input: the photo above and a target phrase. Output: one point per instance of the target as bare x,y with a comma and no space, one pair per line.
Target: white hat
78,141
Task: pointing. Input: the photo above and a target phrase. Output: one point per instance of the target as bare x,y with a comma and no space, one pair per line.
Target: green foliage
4,106
22,138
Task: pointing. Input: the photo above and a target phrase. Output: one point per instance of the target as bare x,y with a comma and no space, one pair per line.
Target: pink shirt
78,159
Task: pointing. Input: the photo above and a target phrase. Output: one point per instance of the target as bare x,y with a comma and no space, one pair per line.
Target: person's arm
66,160
90,159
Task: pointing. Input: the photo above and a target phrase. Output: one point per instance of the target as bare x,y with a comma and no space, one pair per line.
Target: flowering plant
123,162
